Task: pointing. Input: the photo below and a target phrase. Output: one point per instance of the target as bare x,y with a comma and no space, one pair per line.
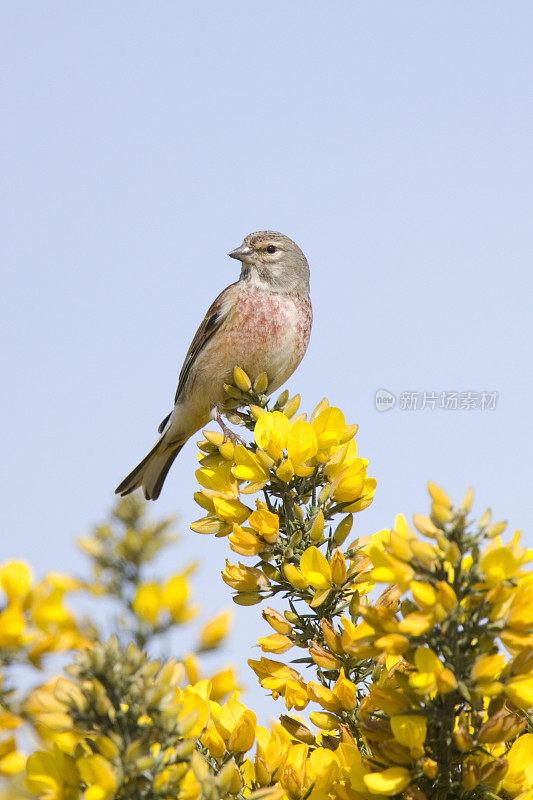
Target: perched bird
261,323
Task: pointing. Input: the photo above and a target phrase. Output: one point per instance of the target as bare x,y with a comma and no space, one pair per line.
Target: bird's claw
228,433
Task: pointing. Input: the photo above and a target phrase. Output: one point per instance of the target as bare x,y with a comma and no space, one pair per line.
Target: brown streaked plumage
261,323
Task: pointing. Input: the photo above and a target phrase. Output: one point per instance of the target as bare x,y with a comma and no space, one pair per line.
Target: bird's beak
241,253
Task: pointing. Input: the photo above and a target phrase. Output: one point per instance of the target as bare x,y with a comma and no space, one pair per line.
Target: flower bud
316,532
270,571
214,437
441,513
430,768
469,780
324,720
496,528
291,406
324,493
285,471
338,568
425,526
331,637
261,383
323,657
297,729
247,598
343,529
485,518
466,503
291,617
227,449
282,399
241,379
439,495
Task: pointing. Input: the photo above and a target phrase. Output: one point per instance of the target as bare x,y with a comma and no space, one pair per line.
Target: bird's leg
228,433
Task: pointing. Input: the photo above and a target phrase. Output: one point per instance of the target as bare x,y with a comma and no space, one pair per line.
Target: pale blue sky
142,141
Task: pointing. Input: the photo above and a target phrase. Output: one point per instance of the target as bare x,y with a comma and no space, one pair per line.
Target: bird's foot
228,433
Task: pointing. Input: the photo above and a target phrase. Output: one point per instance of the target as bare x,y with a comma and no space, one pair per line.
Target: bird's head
273,262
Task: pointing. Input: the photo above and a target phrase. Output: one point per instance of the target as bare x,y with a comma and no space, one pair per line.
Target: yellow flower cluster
33,617
76,721
415,682
289,453
412,648
33,622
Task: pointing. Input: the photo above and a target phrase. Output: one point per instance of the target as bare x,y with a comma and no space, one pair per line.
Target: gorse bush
403,660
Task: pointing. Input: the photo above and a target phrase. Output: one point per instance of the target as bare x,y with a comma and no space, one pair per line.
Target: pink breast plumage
269,321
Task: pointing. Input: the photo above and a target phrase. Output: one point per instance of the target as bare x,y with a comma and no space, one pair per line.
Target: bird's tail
151,472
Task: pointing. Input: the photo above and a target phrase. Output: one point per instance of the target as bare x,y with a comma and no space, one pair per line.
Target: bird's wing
217,313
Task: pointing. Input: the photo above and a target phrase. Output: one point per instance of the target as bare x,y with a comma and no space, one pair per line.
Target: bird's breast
270,333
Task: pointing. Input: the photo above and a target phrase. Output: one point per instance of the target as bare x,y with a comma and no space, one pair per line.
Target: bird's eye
271,248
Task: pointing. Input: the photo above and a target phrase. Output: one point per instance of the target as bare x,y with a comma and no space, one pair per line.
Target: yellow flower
349,484
520,759
236,724
315,568
244,579
486,671
264,522
285,471
293,774
98,775
230,511
388,568
520,691
194,707
295,576
216,479
243,734
321,694
12,626
410,730
15,580
277,621
390,781
281,680
248,467
330,429
499,564
245,542
223,683
271,431
11,761
301,446
53,775
323,657
175,596
342,458
431,675
148,602
215,630
275,643
520,616
345,691
214,742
